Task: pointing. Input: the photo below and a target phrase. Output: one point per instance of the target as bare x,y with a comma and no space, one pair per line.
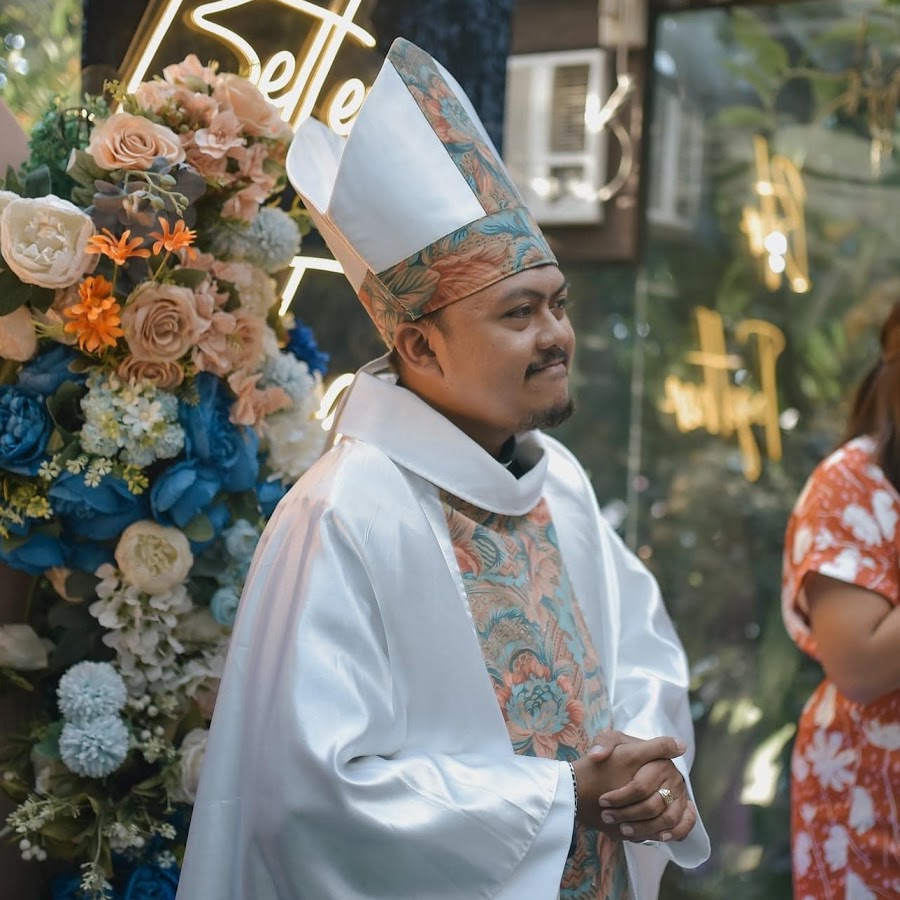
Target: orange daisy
119,250
173,240
96,318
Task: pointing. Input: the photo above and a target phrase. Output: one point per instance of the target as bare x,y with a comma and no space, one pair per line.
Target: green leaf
768,53
13,292
191,278
65,407
83,169
37,182
200,529
81,584
750,118
12,182
49,745
245,505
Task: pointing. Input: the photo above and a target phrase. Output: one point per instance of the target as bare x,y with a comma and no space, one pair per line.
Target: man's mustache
549,358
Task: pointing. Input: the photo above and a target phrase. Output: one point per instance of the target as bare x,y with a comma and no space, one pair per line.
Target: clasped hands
630,789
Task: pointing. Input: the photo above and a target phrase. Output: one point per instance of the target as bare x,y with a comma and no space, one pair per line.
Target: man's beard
549,418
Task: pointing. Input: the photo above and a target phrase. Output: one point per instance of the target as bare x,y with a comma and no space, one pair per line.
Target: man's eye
520,312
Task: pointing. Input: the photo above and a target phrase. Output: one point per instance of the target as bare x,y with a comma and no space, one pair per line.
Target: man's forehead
540,282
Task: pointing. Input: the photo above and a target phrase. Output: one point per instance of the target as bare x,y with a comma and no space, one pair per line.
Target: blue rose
184,491
25,428
45,373
212,439
302,343
224,605
269,494
35,554
101,512
88,556
149,882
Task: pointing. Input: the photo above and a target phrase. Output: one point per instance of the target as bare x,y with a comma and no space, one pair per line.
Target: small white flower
802,853
825,708
832,765
836,846
191,754
884,735
856,889
861,524
885,508
803,540
862,811
844,567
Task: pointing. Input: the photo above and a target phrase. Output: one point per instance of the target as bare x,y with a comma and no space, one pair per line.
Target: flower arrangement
153,409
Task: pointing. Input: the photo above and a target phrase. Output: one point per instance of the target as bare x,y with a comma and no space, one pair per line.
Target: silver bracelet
574,787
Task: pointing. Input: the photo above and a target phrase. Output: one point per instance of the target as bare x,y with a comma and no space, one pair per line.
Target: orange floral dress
845,784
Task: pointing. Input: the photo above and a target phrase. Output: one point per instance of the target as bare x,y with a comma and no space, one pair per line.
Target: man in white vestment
448,677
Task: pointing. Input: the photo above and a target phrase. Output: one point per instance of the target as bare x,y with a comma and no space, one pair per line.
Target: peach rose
190,68
17,338
164,374
154,95
124,141
257,116
44,241
222,135
160,322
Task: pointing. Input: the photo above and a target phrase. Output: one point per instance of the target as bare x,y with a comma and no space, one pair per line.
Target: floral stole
541,661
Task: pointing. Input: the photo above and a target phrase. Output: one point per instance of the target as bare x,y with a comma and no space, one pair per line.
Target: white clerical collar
416,436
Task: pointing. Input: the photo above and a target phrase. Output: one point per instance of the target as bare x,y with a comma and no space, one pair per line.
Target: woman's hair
876,405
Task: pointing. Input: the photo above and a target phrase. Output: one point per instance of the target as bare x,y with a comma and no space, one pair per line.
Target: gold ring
667,795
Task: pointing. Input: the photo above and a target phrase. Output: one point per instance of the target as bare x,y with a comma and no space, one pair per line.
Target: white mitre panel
312,166
397,189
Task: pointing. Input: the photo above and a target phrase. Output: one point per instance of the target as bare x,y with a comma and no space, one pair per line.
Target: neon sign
719,405
776,230
292,80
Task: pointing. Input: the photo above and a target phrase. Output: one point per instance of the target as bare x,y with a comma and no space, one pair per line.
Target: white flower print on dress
831,765
886,736
802,542
824,713
862,811
856,888
802,853
884,506
836,845
799,767
845,566
863,526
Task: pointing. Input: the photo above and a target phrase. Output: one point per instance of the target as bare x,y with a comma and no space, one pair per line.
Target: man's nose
554,331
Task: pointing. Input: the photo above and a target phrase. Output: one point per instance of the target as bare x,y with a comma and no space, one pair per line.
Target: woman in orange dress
841,605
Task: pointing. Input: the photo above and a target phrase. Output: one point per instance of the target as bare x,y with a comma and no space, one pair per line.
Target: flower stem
8,369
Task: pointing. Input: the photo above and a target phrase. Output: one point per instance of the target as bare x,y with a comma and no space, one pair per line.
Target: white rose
6,197
44,241
18,340
199,627
193,749
152,557
21,648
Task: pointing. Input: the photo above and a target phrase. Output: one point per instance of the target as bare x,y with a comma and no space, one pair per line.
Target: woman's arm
858,637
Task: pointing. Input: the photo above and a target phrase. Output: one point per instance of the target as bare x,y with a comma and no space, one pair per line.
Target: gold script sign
776,229
292,78
719,405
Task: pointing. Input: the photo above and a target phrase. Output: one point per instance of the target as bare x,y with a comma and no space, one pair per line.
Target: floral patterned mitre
429,162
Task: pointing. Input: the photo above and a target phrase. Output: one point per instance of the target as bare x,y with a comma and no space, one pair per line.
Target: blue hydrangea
302,343
94,748
292,375
241,540
136,422
90,690
224,605
271,241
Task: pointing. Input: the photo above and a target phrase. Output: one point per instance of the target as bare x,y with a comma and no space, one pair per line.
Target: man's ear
414,345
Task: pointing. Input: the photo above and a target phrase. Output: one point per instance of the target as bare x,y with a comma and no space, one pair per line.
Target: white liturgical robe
357,750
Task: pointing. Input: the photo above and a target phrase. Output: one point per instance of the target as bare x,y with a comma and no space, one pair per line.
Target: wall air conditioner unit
556,160
676,168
